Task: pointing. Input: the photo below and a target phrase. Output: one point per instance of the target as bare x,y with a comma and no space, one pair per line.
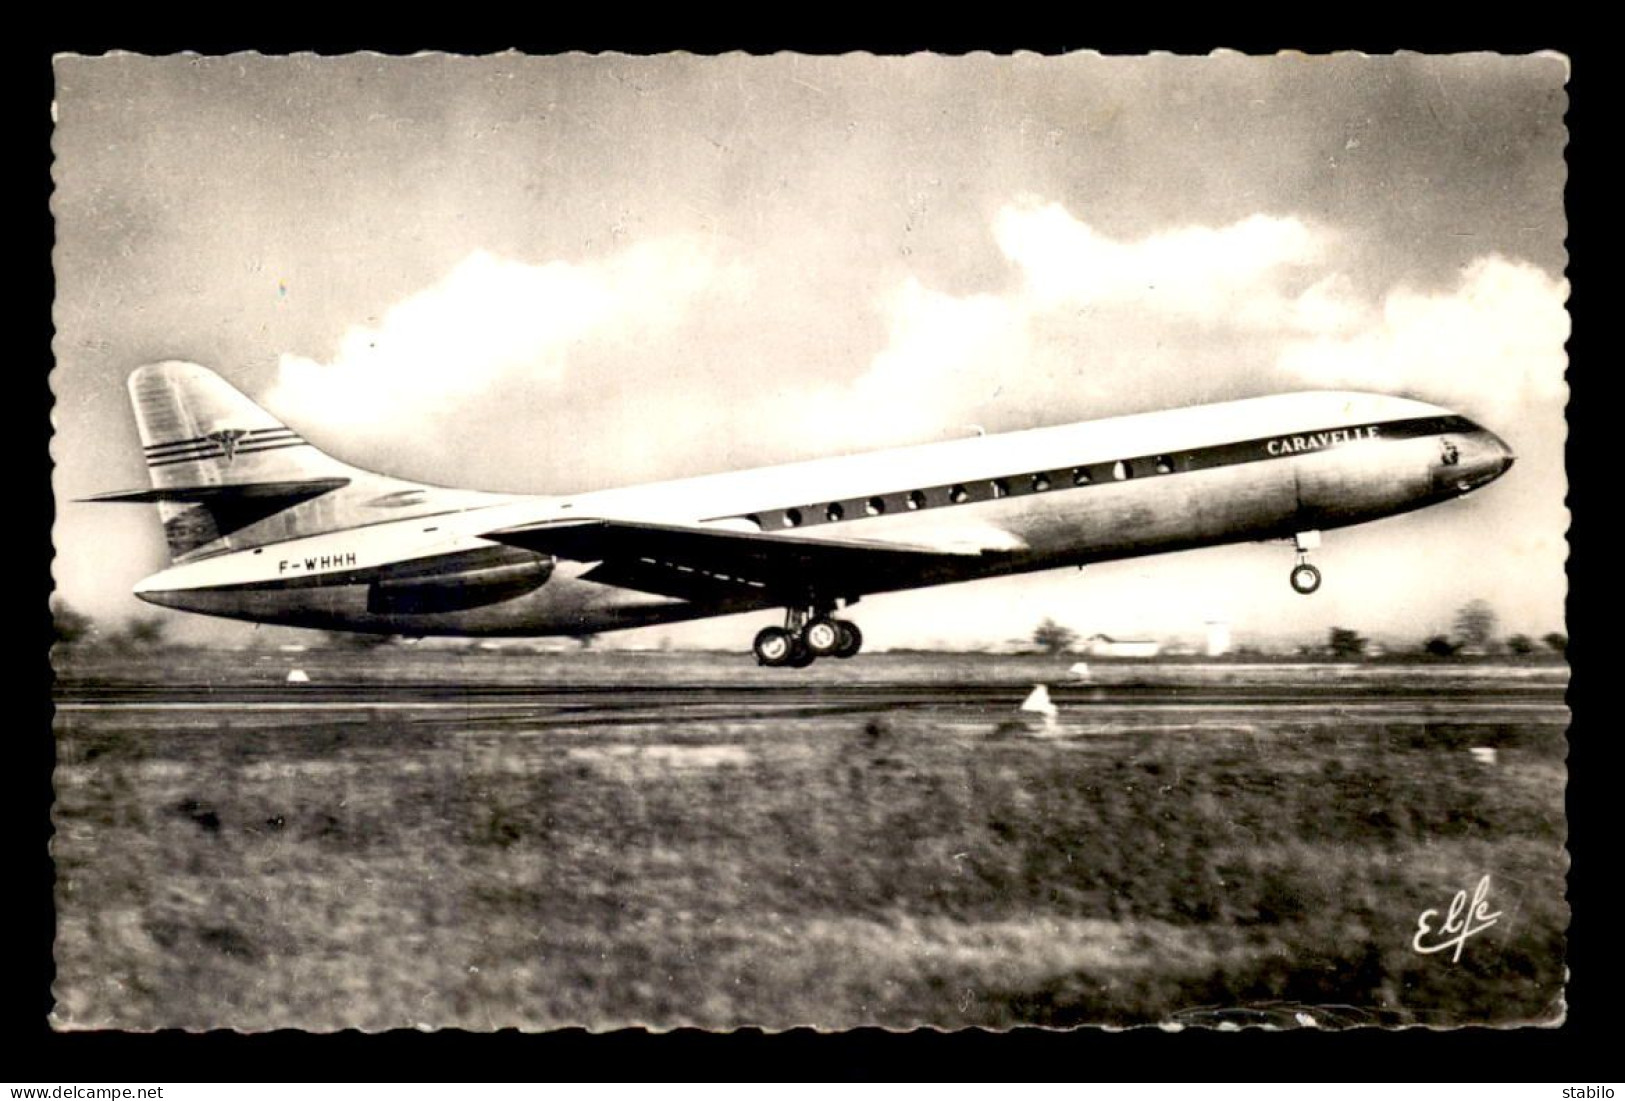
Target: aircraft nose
1481,458
1508,456
1497,455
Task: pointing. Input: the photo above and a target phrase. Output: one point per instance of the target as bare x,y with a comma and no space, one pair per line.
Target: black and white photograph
734,541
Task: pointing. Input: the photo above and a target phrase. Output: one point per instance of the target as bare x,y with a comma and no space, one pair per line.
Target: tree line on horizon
1475,634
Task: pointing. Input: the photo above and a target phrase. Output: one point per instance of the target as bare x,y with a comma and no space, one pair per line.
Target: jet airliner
263,526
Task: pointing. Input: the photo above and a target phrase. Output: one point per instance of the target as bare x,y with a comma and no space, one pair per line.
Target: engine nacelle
514,573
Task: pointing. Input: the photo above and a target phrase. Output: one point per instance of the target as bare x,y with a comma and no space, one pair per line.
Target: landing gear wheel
774,646
1305,578
822,636
801,657
851,639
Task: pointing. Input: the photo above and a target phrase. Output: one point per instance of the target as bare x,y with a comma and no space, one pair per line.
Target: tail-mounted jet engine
436,585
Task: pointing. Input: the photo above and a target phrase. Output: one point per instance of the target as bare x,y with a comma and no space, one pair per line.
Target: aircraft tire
1305,578
851,639
774,646
822,637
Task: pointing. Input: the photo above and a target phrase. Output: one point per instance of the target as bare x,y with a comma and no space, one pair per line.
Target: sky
551,274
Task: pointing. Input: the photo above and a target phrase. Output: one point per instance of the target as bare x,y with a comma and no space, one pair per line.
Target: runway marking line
1384,707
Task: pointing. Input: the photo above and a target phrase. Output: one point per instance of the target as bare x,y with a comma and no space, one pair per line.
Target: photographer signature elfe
1461,921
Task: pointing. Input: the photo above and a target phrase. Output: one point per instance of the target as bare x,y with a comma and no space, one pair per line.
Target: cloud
1494,341
494,321
1239,273
943,357
1172,310
1195,312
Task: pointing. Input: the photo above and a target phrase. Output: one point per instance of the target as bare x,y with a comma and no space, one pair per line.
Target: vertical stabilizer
197,429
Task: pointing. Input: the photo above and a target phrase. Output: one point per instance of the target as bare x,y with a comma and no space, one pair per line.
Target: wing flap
698,586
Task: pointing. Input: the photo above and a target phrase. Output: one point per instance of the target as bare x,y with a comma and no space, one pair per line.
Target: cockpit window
1448,453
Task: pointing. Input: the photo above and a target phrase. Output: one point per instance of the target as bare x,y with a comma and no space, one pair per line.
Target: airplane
263,526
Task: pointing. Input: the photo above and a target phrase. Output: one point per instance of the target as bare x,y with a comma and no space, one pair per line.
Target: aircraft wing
717,565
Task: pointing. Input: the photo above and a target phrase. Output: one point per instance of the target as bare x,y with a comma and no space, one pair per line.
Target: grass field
379,869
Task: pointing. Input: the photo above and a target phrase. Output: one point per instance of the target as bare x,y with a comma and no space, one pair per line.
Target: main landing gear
1305,578
806,636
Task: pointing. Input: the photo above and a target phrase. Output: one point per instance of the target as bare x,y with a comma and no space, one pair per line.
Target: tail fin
218,462
197,429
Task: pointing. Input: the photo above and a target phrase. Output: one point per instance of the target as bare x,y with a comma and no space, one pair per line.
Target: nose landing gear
1304,577
807,634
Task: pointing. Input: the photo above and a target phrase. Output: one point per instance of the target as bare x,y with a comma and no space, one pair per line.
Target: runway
628,703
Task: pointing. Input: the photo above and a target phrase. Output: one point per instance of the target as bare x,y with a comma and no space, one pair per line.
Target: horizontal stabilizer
200,514
289,492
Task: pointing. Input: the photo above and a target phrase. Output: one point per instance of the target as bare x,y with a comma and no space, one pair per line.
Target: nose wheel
805,637
1305,578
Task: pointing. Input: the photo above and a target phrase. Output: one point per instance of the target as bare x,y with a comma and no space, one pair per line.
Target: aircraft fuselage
419,561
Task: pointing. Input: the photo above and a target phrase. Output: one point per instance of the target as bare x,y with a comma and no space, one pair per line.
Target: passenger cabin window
875,506
1165,464
958,495
834,511
792,517
1040,482
1122,471
916,499
1080,475
1001,488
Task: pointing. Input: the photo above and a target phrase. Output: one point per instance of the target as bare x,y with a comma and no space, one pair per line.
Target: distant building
1105,646
551,644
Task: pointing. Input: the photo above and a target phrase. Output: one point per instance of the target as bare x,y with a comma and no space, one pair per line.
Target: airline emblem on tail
227,439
